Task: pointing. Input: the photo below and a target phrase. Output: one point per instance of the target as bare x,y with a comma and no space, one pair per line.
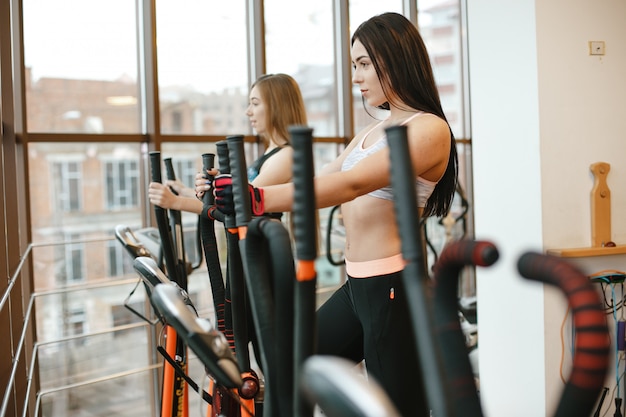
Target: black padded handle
167,244
155,166
169,169
223,159
304,193
592,339
305,232
237,163
208,162
403,182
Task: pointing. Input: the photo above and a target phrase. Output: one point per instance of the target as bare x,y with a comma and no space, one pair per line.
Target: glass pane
360,11
81,66
440,26
302,46
127,395
202,63
75,189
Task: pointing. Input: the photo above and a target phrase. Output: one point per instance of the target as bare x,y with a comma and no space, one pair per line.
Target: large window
203,66
81,66
302,46
101,92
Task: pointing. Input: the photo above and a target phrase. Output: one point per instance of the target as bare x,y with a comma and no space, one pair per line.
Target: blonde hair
283,105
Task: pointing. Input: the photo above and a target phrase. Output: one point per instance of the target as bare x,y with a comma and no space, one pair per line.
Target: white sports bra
423,187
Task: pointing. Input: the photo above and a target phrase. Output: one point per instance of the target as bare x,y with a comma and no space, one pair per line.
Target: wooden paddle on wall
600,206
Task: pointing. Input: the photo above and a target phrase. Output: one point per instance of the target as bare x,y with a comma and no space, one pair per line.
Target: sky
202,45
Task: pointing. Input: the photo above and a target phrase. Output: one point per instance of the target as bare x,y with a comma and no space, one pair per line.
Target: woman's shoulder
428,124
284,150
281,153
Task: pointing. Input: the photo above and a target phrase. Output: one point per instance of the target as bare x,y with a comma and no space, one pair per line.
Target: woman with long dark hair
368,317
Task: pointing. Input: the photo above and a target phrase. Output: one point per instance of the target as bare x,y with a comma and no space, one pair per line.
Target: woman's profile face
365,76
256,111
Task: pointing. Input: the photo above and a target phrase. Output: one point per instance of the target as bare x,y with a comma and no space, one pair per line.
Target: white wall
542,111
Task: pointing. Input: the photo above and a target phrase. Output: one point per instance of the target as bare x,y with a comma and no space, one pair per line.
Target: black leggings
368,318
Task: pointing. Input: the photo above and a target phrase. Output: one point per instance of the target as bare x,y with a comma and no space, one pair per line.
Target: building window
185,170
120,263
70,262
67,179
177,122
76,321
122,184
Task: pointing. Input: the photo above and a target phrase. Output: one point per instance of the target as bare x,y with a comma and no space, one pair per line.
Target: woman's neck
275,143
399,110
397,115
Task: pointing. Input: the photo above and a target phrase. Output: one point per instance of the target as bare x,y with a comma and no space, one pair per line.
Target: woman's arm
429,141
277,169
335,187
161,195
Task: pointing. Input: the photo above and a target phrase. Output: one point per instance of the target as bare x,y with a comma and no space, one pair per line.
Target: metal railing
26,324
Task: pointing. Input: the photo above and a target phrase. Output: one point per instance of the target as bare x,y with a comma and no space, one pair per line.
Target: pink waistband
376,267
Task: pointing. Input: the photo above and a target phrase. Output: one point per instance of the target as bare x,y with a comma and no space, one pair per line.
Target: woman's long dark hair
401,60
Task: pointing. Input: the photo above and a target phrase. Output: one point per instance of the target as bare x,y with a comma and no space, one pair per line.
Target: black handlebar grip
467,252
305,227
403,183
415,275
241,196
167,244
592,339
208,162
155,166
223,160
169,169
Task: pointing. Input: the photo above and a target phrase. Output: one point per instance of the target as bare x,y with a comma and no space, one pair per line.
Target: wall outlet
596,47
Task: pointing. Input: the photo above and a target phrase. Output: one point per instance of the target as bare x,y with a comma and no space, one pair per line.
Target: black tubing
259,287
236,302
173,273
305,233
454,257
329,255
211,254
176,226
271,295
592,339
236,297
415,276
